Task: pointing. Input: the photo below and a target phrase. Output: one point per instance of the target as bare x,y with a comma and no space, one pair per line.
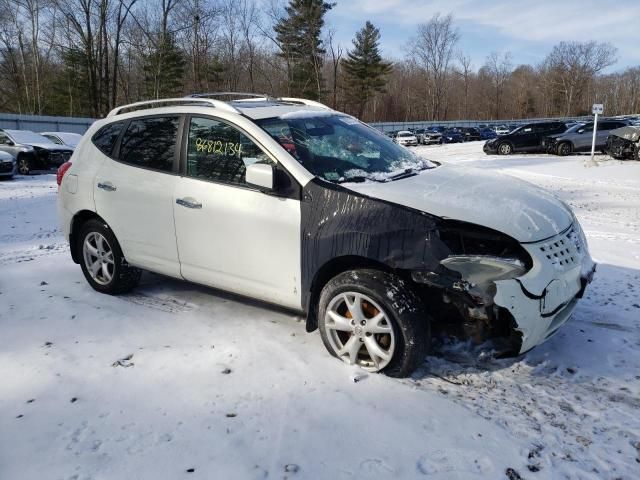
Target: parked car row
22,151
440,134
556,137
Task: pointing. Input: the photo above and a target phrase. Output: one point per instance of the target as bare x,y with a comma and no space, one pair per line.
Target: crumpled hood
511,206
52,147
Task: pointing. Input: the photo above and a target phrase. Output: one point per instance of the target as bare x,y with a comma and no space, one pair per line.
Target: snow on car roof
261,109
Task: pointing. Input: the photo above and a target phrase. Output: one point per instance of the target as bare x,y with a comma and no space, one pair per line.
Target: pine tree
298,35
364,68
164,69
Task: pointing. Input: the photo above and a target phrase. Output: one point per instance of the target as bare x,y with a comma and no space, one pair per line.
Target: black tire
24,165
505,148
636,153
410,323
124,277
564,149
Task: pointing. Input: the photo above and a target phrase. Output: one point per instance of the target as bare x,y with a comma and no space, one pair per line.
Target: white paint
505,204
241,240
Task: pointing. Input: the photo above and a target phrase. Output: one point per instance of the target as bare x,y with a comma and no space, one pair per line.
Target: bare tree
335,53
432,49
464,71
498,68
573,66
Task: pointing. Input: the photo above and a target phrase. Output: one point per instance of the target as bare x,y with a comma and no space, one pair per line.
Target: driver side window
219,152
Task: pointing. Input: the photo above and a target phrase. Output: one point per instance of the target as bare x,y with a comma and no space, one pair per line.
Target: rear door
604,130
230,235
525,138
134,192
582,138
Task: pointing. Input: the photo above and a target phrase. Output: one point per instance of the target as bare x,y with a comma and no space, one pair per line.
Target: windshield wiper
355,179
409,172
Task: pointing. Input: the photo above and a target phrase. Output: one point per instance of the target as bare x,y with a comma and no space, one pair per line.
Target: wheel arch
513,148
568,142
326,272
79,219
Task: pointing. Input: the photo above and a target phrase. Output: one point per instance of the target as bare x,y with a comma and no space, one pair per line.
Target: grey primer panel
337,222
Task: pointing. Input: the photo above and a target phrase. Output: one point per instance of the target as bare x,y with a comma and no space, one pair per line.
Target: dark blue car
487,134
452,135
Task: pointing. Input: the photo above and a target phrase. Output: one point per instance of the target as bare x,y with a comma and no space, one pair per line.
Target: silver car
32,151
68,139
579,137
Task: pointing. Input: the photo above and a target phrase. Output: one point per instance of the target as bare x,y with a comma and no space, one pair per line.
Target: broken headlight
480,269
476,258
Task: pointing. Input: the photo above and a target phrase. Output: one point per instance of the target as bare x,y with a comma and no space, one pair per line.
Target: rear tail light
62,169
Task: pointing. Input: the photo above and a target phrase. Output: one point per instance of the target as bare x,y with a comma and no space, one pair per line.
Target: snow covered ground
177,380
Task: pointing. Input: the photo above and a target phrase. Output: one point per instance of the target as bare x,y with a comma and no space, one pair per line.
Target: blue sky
527,29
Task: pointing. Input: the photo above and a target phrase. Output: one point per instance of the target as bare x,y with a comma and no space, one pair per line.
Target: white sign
597,109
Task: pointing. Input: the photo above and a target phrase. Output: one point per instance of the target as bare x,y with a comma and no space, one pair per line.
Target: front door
134,194
230,235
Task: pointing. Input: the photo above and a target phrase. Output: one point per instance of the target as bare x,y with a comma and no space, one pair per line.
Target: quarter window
150,143
105,138
218,152
4,138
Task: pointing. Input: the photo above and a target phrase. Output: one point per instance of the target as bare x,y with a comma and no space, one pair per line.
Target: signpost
597,109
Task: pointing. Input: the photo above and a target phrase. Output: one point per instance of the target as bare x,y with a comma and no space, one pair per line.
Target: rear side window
105,138
150,143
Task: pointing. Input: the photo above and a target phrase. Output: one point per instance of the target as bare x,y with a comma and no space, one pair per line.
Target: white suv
287,201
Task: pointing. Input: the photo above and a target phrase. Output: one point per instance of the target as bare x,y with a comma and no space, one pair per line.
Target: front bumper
8,169
410,143
549,145
490,148
542,300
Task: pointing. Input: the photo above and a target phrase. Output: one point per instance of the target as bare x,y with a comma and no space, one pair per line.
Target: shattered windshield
339,148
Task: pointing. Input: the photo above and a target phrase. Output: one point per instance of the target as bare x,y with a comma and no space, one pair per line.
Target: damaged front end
624,143
518,294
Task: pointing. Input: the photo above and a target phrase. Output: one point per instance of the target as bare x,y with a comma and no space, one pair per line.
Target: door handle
107,186
188,202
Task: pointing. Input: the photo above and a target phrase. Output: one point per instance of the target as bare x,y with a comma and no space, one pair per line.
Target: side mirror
260,175
581,130
9,143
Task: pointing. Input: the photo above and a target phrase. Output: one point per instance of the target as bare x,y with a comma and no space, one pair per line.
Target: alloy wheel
359,331
505,149
98,258
23,166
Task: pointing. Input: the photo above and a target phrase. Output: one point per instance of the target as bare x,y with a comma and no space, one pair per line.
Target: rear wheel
373,319
24,165
102,262
564,149
505,149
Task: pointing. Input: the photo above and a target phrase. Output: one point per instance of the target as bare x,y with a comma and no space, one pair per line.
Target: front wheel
374,319
505,149
24,165
102,262
564,149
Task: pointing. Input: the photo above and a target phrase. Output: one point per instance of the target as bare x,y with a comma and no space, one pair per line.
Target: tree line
84,57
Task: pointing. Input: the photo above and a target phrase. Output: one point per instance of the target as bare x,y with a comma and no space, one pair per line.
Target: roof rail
232,94
304,101
184,100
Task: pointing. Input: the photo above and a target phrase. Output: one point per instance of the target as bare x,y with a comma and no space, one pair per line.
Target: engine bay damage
475,282
516,295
